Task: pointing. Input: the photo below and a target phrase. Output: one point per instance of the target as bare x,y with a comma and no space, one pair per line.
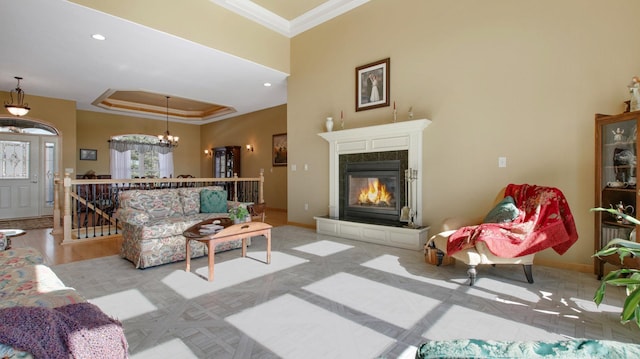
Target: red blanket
544,221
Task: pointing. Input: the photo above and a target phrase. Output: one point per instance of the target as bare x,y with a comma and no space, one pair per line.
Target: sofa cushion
164,227
505,211
158,203
190,197
213,201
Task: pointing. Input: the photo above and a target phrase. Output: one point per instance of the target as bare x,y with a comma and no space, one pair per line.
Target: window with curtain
139,156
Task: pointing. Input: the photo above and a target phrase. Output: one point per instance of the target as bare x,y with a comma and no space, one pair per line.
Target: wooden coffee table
229,233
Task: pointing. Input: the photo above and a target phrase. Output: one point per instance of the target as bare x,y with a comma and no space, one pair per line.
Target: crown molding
302,23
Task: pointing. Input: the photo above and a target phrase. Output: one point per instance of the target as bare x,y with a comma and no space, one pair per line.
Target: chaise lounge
527,220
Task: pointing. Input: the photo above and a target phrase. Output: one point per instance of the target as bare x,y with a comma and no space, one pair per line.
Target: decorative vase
329,124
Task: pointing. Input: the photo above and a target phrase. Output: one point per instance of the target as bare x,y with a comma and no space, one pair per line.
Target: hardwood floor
55,253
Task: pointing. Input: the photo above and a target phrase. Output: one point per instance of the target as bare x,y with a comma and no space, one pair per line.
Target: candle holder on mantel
395,113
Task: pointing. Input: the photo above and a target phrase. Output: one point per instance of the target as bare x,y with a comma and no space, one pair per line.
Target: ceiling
49,44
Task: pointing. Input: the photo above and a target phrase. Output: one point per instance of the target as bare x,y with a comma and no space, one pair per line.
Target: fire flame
375,193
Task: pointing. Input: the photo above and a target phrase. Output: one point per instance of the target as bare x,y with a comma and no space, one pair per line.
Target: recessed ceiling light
98,37
267,84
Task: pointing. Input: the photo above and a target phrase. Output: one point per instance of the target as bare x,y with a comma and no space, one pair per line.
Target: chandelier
166,140
20,108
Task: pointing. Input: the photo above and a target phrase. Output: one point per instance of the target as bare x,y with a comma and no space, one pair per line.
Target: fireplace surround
395,141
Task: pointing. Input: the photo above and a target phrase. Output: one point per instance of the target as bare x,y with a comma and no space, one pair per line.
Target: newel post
66,229
261,188
56,204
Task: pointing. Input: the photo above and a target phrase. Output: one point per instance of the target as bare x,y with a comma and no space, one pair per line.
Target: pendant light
166,139
20,108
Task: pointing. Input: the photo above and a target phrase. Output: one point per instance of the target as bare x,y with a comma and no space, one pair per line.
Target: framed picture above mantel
372,85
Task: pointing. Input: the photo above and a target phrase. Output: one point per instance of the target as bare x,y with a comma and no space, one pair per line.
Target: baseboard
303,225
577,267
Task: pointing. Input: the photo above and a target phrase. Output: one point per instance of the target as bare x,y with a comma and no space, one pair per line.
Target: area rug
27,223
326,297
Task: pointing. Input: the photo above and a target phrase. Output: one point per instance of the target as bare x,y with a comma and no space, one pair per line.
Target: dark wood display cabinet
616,171
226,163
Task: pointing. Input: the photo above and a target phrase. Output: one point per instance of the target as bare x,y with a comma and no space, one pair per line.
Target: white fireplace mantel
399,136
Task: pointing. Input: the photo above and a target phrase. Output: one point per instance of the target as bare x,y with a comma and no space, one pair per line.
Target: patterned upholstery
568,349
25,281
19,257
152,234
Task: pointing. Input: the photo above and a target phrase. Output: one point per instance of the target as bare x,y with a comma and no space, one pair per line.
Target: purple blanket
79,330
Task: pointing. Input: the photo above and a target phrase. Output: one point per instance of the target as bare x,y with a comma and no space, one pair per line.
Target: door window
15,159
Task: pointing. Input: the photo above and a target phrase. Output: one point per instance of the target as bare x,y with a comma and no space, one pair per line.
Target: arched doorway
30,154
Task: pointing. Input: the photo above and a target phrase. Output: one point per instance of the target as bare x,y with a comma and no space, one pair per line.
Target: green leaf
616,213
606,251
623,281
623,243
631,305
599,295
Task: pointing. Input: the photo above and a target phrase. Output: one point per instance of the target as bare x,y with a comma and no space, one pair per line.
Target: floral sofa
153,222
38,313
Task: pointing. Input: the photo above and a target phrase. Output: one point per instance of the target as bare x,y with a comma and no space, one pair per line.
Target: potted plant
238,214
628,277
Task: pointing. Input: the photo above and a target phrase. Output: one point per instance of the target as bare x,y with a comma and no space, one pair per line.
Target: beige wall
519,79
205,23
59,113
257,129
94,129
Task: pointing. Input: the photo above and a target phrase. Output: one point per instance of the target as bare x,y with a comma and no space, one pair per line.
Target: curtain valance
124,145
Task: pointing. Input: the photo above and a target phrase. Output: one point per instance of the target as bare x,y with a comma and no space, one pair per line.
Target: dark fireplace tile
388,156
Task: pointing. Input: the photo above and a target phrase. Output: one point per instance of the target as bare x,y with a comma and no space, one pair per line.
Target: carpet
326,297
27,223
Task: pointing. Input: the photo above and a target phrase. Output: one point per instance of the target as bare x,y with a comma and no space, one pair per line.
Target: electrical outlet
306,206
502,162
294,168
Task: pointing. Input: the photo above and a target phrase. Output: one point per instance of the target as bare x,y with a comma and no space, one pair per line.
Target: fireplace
360,149
372,191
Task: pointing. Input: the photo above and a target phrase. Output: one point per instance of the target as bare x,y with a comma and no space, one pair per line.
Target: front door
19,177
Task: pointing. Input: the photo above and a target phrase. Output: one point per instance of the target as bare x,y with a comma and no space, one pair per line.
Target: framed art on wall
279,149
88,155
372,85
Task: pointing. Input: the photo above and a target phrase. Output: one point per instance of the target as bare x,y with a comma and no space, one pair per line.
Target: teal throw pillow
505,211
213,201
